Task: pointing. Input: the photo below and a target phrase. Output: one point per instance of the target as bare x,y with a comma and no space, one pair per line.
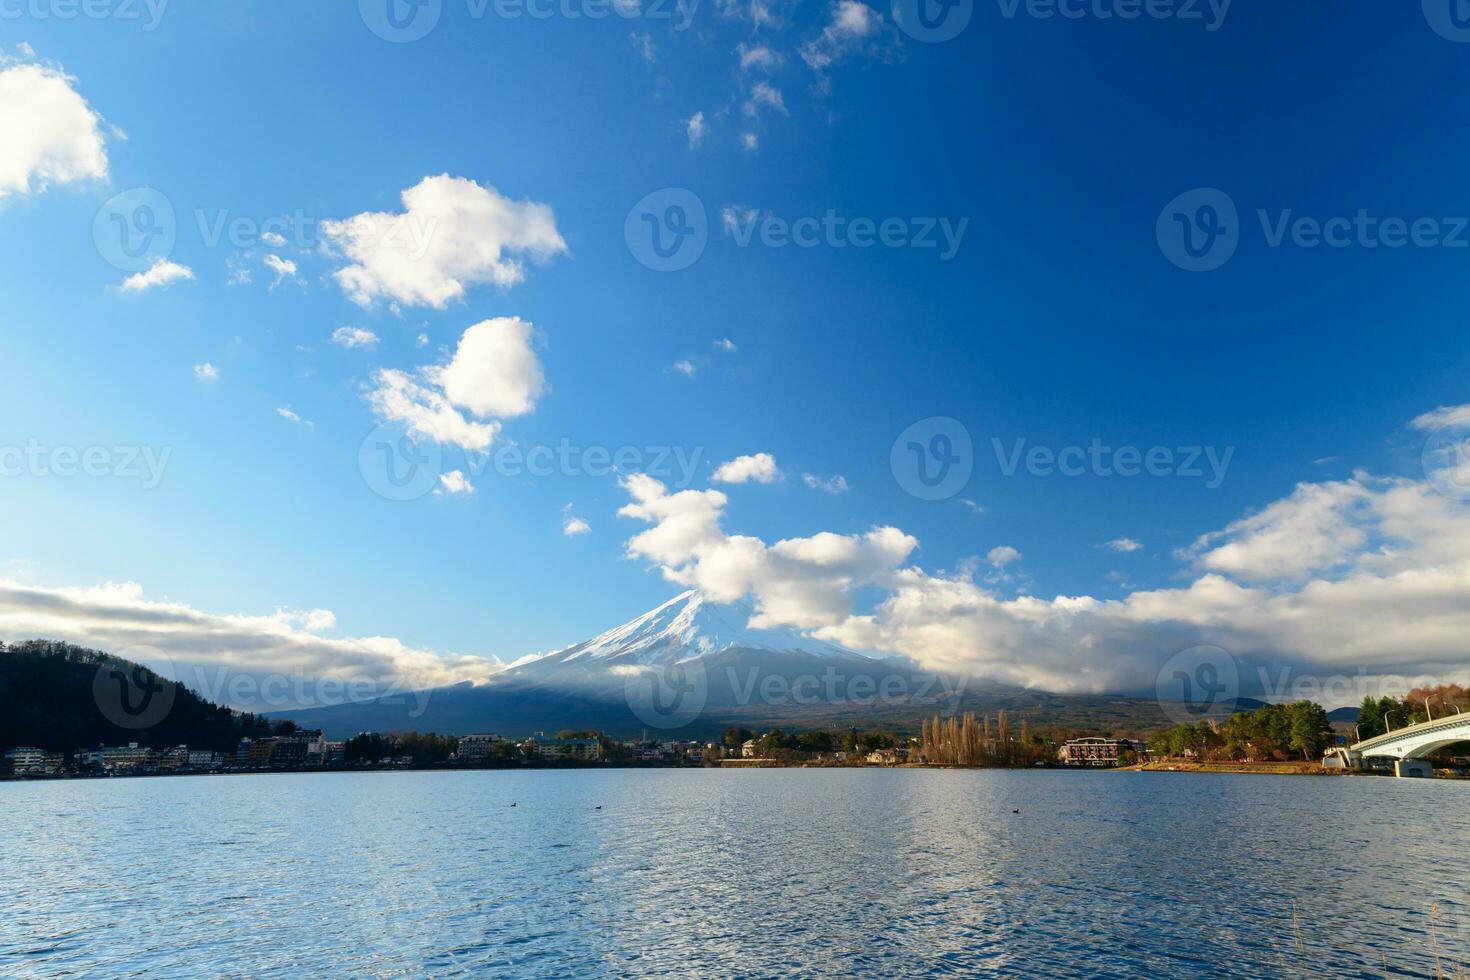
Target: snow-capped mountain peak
685,628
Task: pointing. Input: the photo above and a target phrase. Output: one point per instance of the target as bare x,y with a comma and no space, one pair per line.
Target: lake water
870,873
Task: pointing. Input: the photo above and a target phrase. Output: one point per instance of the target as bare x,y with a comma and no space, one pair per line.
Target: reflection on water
705,872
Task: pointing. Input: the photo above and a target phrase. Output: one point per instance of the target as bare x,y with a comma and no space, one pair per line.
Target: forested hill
62,697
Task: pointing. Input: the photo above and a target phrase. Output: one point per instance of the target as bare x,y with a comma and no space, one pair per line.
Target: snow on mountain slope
684,628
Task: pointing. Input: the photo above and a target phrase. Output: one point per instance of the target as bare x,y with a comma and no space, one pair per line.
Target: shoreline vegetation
54,724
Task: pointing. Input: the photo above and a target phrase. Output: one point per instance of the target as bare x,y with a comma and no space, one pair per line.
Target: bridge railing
1419,728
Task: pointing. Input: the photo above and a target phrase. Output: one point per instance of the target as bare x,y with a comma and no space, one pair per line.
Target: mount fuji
735,674
685,628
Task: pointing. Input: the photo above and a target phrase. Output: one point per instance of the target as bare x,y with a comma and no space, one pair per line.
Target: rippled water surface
871,873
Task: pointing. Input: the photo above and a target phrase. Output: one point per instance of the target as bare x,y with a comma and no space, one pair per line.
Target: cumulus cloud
685,367
749,142
494,374
803,582
211,647
51,134
452,234
354,337
1123,546
759,468
289,415
454,482
573,526
495,370
1002,556
161,274
727,345
1367,575
694,128
206,372
396,396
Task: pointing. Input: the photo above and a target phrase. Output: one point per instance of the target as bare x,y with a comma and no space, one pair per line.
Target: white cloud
454,482
273,239
759,468
398,397
750,142
422,340
494,374
756,56
286,413
1442,416
684,367
283,268
1123,546
573,526
803,582
208,648
451,235
971,506
495,370
51,135
162,273
206,372
1315,529
354,337
727,345
835,484
850,25
763,95
1002,556
694,128
1394,601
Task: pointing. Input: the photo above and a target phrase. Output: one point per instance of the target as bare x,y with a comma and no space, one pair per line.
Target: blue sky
1054,143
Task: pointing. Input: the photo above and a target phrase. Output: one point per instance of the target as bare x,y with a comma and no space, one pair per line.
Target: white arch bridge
1404,745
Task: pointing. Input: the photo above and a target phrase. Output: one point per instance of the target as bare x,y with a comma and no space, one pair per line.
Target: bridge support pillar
1413,767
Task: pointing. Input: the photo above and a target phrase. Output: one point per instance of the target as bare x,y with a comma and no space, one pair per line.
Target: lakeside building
117,758
25,759
748,750
887,757
587,749
1096,751
474,748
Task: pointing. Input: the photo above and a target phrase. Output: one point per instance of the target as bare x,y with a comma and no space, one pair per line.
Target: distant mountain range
687,669
691,667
